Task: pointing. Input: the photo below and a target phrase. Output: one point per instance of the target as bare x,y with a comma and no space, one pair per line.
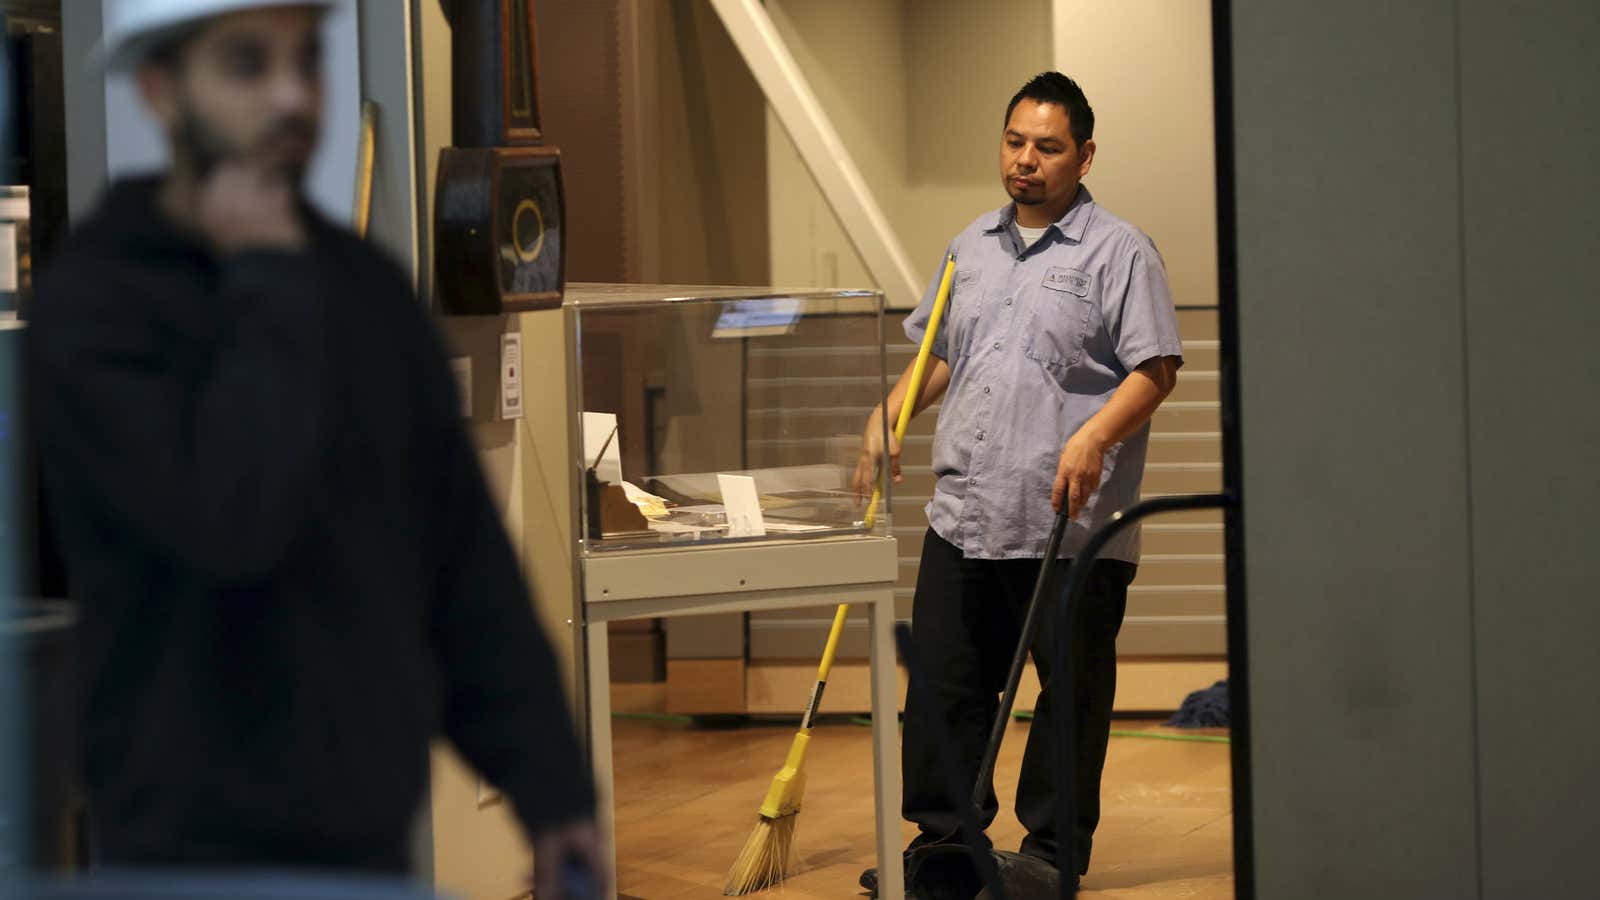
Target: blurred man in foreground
290,571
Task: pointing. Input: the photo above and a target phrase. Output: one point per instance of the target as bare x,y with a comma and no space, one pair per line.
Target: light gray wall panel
85,91
386,78
1530,90
1355,473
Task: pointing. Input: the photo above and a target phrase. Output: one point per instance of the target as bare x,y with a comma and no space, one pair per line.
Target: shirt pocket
966,303
1058,322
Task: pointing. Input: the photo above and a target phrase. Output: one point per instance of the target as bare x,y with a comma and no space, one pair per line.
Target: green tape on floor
1027,716
1163,736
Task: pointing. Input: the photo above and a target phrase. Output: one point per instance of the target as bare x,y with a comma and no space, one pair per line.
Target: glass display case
712,439
721,416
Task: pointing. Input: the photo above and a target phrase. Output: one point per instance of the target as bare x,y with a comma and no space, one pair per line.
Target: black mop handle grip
1030,628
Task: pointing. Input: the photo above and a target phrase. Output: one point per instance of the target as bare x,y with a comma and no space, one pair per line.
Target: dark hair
1054,87
167,51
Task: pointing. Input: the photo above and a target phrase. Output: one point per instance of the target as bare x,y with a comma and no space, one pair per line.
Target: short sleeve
916,324
1139,312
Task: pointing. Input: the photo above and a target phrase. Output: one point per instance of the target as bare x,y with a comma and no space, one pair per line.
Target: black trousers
966,621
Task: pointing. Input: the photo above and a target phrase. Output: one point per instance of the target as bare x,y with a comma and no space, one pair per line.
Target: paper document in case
649,504
598,428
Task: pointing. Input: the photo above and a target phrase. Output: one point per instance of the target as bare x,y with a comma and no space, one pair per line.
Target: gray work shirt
1038,339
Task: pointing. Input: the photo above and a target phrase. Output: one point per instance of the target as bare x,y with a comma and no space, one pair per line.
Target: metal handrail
1061,678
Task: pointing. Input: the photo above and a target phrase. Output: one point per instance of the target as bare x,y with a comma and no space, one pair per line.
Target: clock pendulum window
498,217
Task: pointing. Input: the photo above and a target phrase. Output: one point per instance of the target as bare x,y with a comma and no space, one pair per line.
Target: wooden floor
686,800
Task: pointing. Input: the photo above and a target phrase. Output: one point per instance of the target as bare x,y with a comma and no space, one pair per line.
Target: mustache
300,127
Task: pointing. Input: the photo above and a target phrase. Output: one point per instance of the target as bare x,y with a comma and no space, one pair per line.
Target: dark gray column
1355,469
1530,88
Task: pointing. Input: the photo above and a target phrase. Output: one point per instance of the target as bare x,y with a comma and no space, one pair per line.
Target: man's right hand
872,455
245,205
575,846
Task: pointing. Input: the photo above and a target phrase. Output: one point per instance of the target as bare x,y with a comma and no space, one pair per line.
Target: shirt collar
1072,224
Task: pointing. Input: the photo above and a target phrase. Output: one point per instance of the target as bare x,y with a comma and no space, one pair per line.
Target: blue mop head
1206,708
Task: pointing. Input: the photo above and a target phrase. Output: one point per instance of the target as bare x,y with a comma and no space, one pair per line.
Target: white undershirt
1030,236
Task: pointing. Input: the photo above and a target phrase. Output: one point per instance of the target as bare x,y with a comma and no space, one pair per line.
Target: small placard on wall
9,281
511,376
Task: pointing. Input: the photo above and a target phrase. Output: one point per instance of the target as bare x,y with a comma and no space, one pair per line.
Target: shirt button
1008,301
997,345
986,390
980,435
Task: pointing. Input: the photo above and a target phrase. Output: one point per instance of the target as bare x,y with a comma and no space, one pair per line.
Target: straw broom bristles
764,861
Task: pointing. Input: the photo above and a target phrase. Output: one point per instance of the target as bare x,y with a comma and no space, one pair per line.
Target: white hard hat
135,27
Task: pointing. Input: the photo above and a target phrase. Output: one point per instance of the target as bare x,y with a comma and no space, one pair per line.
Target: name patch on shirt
1073,281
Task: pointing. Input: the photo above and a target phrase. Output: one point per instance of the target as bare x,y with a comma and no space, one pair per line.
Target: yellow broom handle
907,408
828,654
833,641
366,150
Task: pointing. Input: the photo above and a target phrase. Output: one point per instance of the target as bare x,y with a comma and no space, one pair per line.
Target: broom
764,861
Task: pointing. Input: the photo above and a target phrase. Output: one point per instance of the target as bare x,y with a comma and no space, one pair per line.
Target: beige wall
853,53
850,52
432,117
1146,68
702,202
580,51
917,88
479,851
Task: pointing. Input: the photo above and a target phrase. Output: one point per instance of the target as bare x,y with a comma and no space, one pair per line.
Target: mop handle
902,422
1030,628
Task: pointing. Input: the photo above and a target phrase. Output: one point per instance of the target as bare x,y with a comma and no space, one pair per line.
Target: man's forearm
1134,402
935,379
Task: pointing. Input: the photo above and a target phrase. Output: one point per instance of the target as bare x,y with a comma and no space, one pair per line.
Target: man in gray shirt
1059,342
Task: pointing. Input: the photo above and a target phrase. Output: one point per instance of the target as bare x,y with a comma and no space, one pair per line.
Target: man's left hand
1077,473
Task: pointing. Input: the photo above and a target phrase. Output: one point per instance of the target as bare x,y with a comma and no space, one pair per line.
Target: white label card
742,505
598,429
511,376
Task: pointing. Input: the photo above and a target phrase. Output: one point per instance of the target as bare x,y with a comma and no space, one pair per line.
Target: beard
204,147
197,143
1026,198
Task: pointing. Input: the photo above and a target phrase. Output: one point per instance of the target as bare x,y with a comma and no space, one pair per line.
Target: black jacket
290,572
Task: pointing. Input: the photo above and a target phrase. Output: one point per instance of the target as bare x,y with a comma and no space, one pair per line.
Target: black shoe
869,878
